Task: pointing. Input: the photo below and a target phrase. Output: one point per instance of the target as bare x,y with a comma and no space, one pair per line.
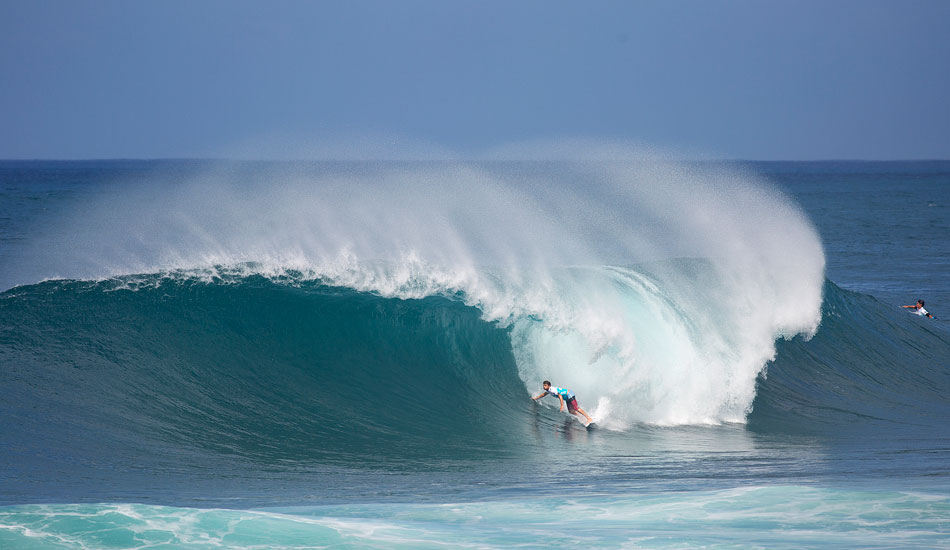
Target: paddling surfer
919,309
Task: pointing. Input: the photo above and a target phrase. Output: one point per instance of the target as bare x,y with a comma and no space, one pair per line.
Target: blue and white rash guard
563,392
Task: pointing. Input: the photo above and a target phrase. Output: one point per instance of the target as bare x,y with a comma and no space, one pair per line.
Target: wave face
870,367
655,291
251,368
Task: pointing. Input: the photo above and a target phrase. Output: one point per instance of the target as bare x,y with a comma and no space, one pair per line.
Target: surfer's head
920,303
545,384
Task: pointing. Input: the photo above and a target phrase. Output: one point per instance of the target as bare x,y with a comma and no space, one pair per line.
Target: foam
763,516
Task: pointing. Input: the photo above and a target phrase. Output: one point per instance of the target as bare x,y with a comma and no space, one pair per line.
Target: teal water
759,517
169,380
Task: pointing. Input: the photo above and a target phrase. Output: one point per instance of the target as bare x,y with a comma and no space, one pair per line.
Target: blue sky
750,80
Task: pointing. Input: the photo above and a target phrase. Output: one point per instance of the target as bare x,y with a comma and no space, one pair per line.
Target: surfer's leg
574,408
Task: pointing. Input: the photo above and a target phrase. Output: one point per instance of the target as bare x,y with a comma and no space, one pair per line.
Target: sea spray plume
689,337
652,288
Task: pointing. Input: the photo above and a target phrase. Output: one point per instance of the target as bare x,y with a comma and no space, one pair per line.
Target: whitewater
206,354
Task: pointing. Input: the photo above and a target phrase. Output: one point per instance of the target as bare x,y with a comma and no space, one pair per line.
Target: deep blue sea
209,354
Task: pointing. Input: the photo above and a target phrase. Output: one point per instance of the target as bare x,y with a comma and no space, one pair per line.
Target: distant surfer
565,396
919,309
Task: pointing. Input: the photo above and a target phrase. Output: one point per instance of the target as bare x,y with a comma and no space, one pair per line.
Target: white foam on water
782,517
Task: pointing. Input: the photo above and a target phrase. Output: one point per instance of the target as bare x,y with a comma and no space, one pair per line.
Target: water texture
309,355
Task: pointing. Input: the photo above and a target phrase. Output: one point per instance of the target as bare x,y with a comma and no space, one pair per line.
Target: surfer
919,309
565,396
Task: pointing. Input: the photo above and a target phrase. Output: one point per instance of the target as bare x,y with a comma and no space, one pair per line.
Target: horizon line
410,159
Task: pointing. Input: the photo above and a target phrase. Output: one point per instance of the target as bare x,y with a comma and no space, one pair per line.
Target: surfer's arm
908,306
561,397
540,396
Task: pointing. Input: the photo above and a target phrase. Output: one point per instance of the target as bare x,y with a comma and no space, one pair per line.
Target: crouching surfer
565,396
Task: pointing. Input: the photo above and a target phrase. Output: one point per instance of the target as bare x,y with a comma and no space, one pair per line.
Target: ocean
223,354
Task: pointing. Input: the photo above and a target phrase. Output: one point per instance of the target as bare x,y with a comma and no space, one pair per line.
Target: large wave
655,290
177,373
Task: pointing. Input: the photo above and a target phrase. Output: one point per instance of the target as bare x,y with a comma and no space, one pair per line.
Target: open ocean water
199,354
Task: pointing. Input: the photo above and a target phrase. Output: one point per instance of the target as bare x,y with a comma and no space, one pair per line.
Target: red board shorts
572,405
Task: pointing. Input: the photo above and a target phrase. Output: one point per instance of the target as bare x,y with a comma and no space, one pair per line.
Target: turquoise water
757,517
198,355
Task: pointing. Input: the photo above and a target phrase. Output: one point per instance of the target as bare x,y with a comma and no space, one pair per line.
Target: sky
755,80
